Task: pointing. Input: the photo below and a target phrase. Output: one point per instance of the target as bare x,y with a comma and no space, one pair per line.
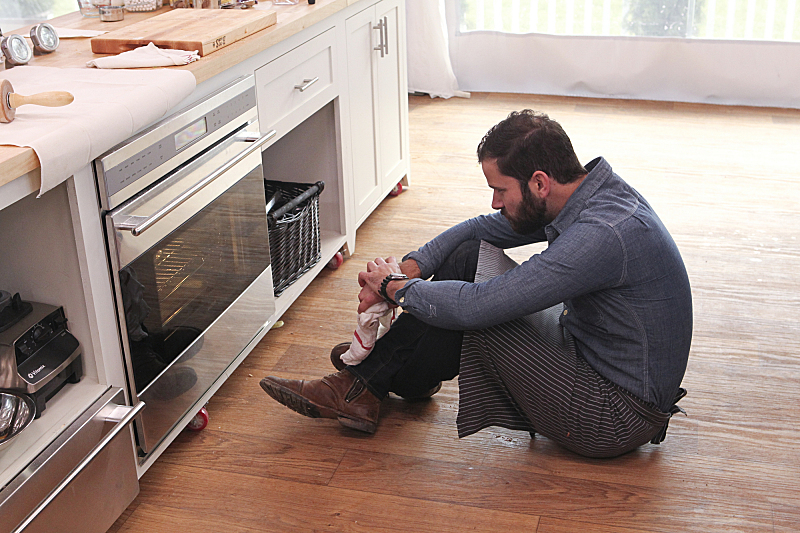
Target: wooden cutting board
204,30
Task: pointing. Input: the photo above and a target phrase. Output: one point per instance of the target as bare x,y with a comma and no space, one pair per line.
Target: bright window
770,20
18,13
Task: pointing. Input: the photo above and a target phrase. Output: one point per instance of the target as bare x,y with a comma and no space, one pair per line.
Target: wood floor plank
655,467
557,525
261,504
513,491
787,518
223,452
153,517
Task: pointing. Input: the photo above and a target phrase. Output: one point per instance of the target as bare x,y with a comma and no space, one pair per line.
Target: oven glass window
176,290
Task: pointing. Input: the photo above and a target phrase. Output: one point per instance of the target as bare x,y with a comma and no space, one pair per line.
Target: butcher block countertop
74,53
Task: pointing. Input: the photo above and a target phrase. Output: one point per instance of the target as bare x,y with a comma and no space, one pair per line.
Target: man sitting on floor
586,342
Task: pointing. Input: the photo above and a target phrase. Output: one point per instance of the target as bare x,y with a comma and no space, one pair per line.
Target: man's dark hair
527,141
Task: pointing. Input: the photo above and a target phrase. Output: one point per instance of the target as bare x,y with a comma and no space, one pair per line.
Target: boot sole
301,405
359,425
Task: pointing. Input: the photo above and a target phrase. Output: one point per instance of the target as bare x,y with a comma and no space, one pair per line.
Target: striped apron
526,375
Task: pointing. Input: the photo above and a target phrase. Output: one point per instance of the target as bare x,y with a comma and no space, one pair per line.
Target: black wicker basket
293,217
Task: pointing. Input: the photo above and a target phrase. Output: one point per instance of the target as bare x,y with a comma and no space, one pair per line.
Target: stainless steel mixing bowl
16,412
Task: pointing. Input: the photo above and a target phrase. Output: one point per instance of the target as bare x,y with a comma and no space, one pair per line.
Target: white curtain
429,68
718,71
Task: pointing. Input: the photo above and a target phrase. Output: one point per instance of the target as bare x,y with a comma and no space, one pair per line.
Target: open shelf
307,154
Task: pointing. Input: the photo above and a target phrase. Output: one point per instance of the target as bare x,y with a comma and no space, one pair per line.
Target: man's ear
540,184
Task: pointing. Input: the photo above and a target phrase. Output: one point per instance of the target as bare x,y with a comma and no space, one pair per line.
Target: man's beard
531,215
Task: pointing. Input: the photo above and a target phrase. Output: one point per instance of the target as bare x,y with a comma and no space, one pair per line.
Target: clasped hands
370,280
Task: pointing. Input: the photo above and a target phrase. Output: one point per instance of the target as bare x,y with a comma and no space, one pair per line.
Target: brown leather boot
338,364
341,396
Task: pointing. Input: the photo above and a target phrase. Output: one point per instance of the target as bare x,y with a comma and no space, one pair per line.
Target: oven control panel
159,150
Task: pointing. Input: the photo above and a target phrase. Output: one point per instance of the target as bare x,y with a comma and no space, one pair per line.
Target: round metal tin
16,49
44,37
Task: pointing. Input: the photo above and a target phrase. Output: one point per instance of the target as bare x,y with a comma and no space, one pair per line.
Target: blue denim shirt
611,262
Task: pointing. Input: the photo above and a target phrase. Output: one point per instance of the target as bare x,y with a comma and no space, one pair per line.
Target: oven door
192,276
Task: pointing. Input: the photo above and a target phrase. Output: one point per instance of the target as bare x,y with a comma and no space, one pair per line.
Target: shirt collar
599,172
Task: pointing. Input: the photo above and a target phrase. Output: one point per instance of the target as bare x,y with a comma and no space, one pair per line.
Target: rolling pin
11,101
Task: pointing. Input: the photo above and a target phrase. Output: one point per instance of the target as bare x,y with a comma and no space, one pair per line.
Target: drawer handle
306,84
128,413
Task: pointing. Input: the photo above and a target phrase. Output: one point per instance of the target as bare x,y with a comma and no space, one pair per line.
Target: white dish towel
146,56
371,326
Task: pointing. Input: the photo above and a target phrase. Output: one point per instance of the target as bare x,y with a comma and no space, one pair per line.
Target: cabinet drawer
292,87
83,481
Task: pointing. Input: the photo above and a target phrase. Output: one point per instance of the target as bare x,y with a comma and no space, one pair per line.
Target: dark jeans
413,357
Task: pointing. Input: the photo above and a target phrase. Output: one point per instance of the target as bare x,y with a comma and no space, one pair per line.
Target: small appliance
38,354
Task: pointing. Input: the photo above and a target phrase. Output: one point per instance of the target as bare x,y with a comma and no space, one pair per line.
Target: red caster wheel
199,421
336,261
397,189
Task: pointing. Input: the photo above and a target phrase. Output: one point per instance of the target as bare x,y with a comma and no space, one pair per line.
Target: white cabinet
378,106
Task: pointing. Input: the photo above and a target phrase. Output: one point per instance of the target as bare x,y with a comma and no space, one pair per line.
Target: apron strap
659,437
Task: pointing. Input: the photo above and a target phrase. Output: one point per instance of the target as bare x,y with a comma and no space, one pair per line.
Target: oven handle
167,209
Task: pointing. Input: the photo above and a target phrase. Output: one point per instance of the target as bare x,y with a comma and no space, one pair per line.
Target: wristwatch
385,283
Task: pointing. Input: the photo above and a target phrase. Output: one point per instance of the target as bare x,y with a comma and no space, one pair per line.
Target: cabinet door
392,101
362,87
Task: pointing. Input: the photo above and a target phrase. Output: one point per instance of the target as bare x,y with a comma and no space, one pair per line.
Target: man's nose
496,203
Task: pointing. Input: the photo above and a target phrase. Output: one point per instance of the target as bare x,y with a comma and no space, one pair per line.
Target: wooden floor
725,182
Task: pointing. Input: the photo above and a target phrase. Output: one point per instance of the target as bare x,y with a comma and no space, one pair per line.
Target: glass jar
91,8
143,5
112,13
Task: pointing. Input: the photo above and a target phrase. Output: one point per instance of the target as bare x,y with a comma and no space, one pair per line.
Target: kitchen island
75,52
353,122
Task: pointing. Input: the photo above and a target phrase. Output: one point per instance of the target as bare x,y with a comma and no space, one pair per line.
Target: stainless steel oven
187,237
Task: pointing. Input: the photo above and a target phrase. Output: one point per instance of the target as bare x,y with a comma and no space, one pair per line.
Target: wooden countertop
74,53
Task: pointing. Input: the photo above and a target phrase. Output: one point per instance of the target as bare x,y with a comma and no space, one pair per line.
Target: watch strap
385,284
